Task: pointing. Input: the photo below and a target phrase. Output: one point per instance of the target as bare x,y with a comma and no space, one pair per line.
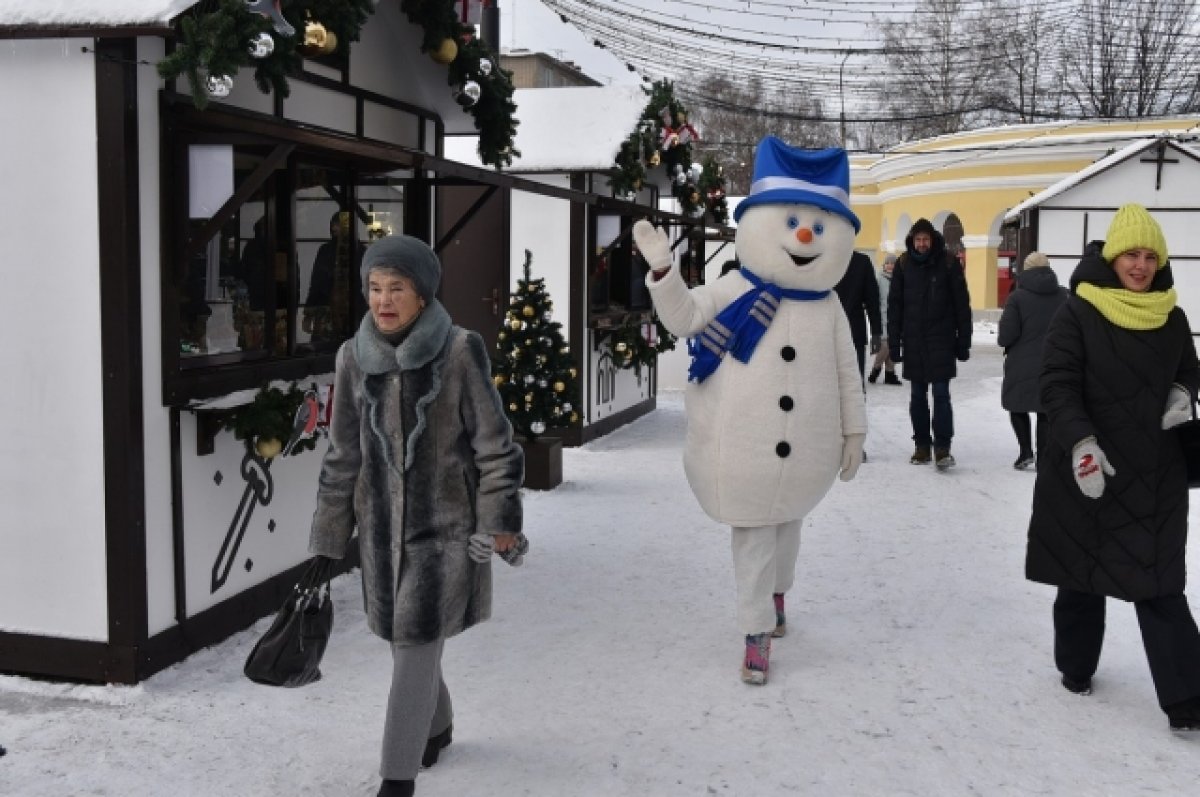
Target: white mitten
852,455
1090,467
1179,407
653,244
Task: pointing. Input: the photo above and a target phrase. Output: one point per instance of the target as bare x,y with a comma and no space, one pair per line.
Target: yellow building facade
965,184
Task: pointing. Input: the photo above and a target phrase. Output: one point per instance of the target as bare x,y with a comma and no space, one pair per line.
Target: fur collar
426,340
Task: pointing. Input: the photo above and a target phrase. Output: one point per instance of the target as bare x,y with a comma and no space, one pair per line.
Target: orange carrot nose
804,235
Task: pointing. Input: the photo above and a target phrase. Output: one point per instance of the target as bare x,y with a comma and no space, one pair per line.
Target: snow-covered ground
918,659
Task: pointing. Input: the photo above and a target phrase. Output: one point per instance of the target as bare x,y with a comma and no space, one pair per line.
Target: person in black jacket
1023,326
929,328
1110,502
858,291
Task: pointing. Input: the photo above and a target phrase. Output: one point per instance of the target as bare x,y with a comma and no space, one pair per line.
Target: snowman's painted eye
818,228
793,222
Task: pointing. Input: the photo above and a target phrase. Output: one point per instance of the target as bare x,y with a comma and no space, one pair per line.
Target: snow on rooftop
90,12
1084,175
566,129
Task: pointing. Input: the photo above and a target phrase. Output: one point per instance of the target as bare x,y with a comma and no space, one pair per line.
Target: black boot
890,378
397,788
1078,686
871,377
1185,716
433,747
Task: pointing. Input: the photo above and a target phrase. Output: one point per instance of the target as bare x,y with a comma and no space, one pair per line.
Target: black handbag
289,654
1188,433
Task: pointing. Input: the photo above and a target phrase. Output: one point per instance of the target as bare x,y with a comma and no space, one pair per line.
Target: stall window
267,247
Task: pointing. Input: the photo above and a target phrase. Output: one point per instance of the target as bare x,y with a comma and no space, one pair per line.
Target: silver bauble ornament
542,383
680,178
468,95
261,45
218,86
529,379
546,316
566,406
485,66
694,171
537,427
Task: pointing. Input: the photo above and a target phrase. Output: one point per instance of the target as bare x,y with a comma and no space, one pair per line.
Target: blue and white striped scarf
739,327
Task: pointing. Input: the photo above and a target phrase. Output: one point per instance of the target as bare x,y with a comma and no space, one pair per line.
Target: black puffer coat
929,314
1023,325
858,291
1100,379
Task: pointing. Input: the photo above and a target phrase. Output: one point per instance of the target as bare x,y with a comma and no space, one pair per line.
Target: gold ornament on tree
446,52
318,40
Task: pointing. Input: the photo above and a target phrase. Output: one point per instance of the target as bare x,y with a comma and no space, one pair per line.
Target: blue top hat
795,176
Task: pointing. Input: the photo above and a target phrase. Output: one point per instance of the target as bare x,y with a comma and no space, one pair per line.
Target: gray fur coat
422,457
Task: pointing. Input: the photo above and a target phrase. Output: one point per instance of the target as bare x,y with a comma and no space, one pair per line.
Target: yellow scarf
1129,309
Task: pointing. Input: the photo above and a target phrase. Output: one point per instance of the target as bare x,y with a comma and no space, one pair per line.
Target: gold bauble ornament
621,347
574,417
572,372
318,40
446,52
498,379
528,398
515,323
268,448
654,159
559,387
527,311
512,407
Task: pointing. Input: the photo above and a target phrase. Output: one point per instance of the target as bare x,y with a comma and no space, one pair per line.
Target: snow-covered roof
107,13
1083,175
579,128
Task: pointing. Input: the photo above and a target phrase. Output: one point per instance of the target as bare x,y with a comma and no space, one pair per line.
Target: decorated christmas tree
533,370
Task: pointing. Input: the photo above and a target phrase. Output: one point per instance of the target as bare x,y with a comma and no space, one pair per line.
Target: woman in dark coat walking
422,461
1110,502
1023,325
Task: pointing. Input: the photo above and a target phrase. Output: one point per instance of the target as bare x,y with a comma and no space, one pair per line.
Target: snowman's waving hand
652,242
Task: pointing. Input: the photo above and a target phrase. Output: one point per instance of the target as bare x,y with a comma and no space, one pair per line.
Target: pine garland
214,39
270,417
631,349
663,139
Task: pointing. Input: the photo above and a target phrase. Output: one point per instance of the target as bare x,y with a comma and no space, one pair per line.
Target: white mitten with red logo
1091,466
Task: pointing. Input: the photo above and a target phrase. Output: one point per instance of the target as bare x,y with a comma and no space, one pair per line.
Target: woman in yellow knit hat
1110,503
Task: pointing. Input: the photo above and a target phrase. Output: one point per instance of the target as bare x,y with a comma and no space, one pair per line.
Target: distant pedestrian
1023,326
929,328
1110,504
883,357
858,291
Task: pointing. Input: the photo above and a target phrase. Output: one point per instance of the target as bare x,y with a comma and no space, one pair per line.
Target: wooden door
473,241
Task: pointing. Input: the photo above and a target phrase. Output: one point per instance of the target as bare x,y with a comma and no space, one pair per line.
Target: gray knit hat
407,255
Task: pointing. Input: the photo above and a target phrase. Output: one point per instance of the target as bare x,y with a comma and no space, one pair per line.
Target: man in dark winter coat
929,328
1110,505
858,291
1022,329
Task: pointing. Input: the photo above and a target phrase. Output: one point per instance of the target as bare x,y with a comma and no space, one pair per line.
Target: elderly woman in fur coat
422,458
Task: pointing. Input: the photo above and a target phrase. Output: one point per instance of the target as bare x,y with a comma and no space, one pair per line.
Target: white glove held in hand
852,455
479,547
1179,407
1091,466
653,244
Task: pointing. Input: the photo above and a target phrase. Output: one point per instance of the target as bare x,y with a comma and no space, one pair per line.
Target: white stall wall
613,389
217,497
542,225
52,561
156,420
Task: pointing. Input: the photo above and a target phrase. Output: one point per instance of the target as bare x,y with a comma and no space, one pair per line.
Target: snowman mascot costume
774,402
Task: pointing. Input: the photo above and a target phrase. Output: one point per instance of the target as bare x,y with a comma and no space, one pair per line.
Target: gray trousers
418,708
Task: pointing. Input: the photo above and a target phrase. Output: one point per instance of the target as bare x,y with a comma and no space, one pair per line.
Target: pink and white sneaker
757,661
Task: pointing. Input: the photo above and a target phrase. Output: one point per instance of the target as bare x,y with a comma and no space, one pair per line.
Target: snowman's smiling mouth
802,261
